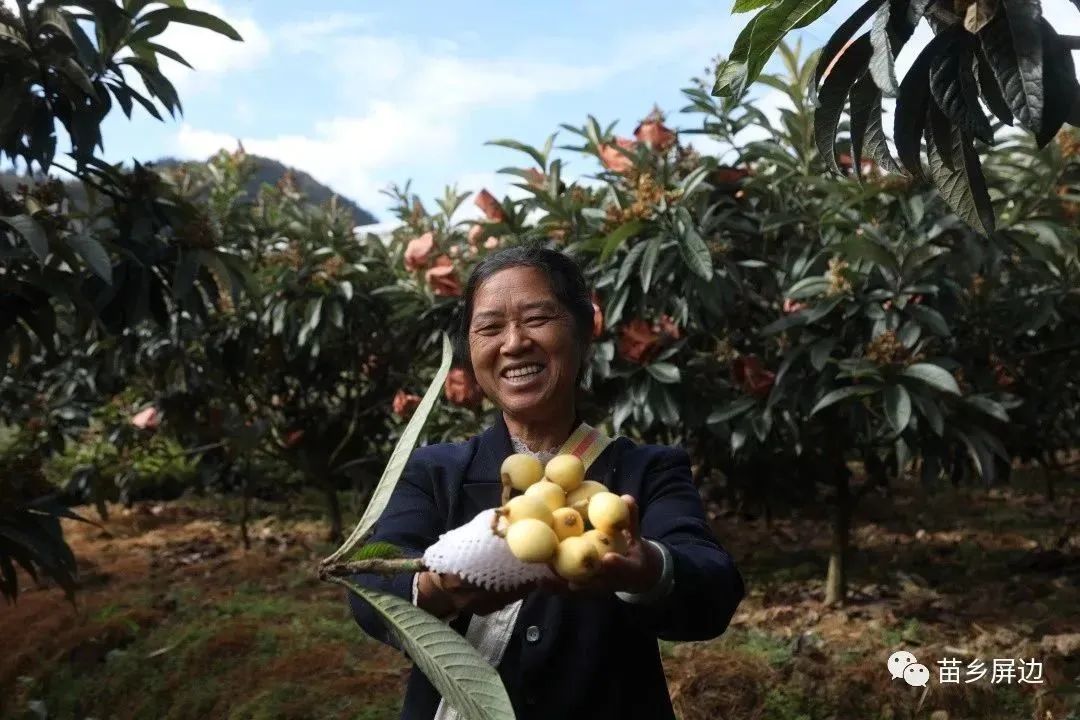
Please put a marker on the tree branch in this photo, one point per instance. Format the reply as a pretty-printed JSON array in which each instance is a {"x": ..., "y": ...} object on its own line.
[{"x": 377, "y": 566}]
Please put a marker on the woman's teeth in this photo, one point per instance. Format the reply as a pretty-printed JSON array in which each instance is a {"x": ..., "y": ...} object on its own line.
[{"x": 523, "y": 372}]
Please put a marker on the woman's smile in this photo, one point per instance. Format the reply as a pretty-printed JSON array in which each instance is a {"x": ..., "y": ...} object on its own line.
[{"x": 523, "y": 375}]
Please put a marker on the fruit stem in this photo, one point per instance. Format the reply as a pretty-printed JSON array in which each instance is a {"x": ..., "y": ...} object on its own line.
[{"x": 376, "y": 566}]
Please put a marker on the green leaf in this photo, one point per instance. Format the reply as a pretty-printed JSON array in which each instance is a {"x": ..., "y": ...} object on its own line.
[
  {"x": 761, "y": 425},
  {"x": 396, "y": 464},
  {"x": 913, "y": 101},
  {"x": 521, "y": 147},
  {"x": 731, "y": 80},
  {"x": 820, "y": 352},
  {"x": 629, "y": 264},
  {"x": 1012, "y": 44},
  {"x": 758, "y": 40},
  {"x": 693, "y": 181},
  {"x": 617, "y": 237},
  {"x": 1061, "y": 93},
  {"x": 897, "y": 407},
  {"x": 841, "y": 394},
  {"x": 648, "y": 263},
  {"x": 933, "y": 375},
  {"x": 377, "y": 551},
  {"x": 695, "y": 252},
  {"x": 863, "y": 248},
  {"x": 742, "y": 6},
  {"x": 867, "y": 132},
  {"x": 461, "y": 675},
  {"x": 844, "y": 33},
  {"x": 909, "y": 334},
  {"x": 930, "y": 410},
  {"x": 197, "y": 18},
  {"x": 664, "y": 372},
  {"x": 991, "y": 91},
  {"x": 890, "y": 31},
  {"x": 953, "y": 85},
  {"x": 808, "y": 287},
  {"x": 963, "y": 187},
  {"x": 93, "y": 253},
  {"x": 169, "y": 53},
  {"x": 30, "y": 231},
  {"x": 731, "y": 410},
  {"x": 833, "y": 96},
  {"x": 930, "y": 319},
  {"x": 988, "y": 406}
]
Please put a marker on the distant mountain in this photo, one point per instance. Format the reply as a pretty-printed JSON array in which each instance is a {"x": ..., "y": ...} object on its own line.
[{"x": 266, "y": 171}]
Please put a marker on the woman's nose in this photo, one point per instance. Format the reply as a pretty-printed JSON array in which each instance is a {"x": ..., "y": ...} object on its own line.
[{"x": 516, "y": 339}]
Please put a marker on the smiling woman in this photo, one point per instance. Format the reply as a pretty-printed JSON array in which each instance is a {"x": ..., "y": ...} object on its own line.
[{"x": 581, "y": 649}]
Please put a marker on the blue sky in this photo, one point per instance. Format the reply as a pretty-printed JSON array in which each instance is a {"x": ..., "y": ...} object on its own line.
[{"x": 362, "y": 94}]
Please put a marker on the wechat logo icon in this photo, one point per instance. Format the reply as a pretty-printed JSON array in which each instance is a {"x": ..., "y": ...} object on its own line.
[{"x": 904, "y": 665}]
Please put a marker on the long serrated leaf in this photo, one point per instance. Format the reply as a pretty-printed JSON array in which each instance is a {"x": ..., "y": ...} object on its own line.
[
  {"x": 396, "y": 464},
  {"x": 890, "y": 31},
  {"x": 988, "y": 406},
  {"x": 833, "y": 96},
  {"x": 30, "y": 231},
  {"x": 758, "y": 40},
  {"x": 963, "y": 187},
  {"x": 990, "y": 90},
  {"x": 841, "y": 394},
  {"x": 930, "y": 411},
  {"x": 863, "y": 248},
  {"x": 930, "y": 318},
  {"x": 1012, "y": 43},
  {"x": 897, "y": 407},
  {"x": 665, "y": 373},
  {"x": 841, "y": 37},
  {"x": 731, "y": 410},
  {"x": 648, "y": 263},
  {"x": 938, "y": 132},
  {"x": 197, "y": 18},
  {"x": 520, "y": 147},
  {"x": 952, "y": 83},
  {"x": 933, "y": 375},
  {"x": 1060, "y": 88},
  {"x": 462, "y": 676},
  {"x": 696, "y": 253},
  {"x": 617, "y": 237},
  {"x": 912, "y": 103},
  {"x": 93, "y": 253},
  {"x": 867, "y": 133}
]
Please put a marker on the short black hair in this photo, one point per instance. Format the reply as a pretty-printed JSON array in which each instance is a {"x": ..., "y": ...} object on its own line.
[{"x": 566, "y": 280}]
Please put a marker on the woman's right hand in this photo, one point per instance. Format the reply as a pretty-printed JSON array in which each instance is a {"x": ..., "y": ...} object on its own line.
[{"x": 446, "y": 595}]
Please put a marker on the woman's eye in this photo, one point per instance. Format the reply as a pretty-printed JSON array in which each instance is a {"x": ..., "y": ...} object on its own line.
[
  {"x": 488, "y": 329},
  {"x": 537, "y": 319}
]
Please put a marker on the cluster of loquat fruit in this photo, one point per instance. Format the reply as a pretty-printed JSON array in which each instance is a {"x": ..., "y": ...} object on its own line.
[{"x": 560, "y": 518}]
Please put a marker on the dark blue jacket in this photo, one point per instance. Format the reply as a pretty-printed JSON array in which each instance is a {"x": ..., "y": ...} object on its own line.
[{"x": 593, "y": 658}]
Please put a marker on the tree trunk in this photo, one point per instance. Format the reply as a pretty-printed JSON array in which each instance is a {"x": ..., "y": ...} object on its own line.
[
  {"x": 836, "y": 580},
  {"x": 245, "y": 506},
  {"x": 1050, "y": 470},
  {"x": 334, "y": 509}
]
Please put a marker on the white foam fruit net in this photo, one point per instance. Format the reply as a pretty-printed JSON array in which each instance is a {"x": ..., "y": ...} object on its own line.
[{"x": 478, "y": 555}]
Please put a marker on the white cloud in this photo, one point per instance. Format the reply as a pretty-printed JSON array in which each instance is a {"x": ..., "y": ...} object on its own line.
[
  {"x": 213, "y": 55},
  {"x": 416, "y": 102}
]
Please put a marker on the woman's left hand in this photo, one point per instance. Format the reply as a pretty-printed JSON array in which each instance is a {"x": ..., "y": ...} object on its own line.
[{"x": 637, "y": 571}]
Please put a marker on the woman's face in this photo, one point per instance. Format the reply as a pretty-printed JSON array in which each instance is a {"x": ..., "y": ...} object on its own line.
[{"x": 521, "y": 342}]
